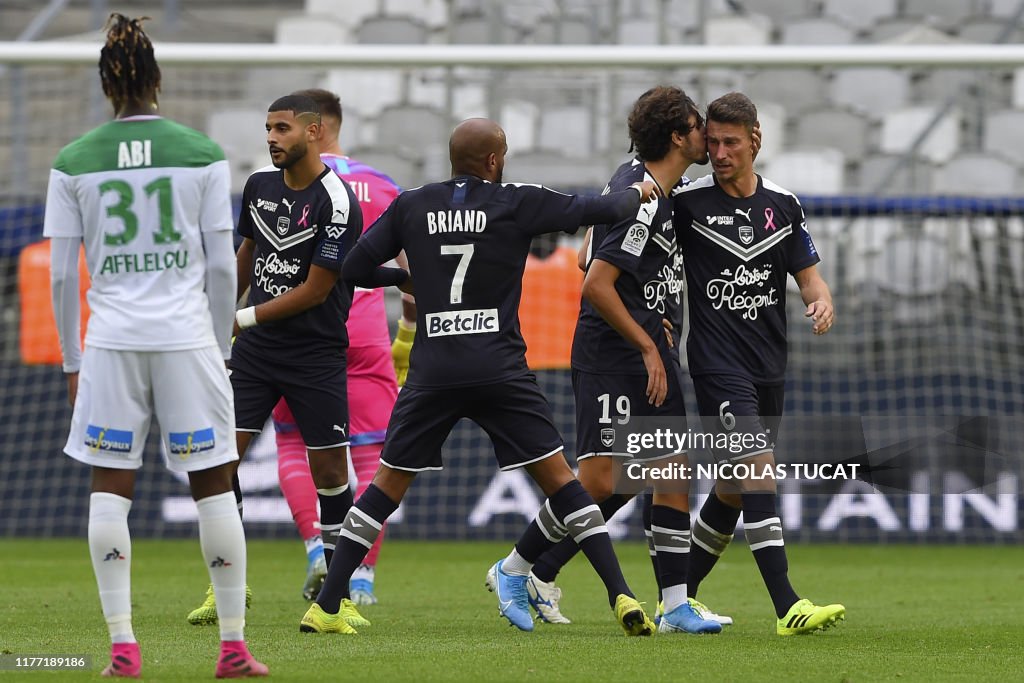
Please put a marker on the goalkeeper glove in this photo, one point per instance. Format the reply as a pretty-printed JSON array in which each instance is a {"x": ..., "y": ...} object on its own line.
[{"x": 401, "y": 348}]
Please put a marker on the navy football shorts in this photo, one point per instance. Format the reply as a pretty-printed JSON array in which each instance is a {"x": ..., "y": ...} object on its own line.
[
  {"x": 748, "y": 413},
  {"x": 514, "y": 414},
  {"x": 605, "y": 404},
  {"x": 316, "y": 393}
]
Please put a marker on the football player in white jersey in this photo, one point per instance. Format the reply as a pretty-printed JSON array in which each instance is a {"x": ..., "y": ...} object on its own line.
[{"x": 150, "y": 200}]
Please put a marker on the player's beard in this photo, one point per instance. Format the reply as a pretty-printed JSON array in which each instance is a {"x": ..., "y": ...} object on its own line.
[{"x": 291, "y": 155}]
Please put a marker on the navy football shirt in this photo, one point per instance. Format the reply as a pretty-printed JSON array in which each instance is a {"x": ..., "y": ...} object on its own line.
[
  {"x": 738, "y": 253},
  {"x": 467, "y": 241},
  {"x": 644, "y": 249},
  {"x": 293, "y": 229}
]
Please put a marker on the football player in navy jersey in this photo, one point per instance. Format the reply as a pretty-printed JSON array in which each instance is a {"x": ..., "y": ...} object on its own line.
[
  {"x": 298, "y": 222},
  {"x": 624, "y": 364},
  {"x": 742, "y": 235},
  {"x": 467, "y": 240}
]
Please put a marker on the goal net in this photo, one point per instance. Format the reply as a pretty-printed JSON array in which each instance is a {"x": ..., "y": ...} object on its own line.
[{"x": 909, "y": 175}]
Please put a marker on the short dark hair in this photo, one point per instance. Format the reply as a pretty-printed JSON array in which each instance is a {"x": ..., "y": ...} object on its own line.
[
  {"x": 128, "y": 68},
  {"x": 734, "y": 107},
  {"x": 298, "y": 104},
  {"x": 657, "y": 114},
  {"x": 328, "y": 103}
]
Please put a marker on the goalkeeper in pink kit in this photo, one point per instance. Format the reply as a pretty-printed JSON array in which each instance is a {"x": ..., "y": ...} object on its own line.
[{"x": 372, "y": 381}]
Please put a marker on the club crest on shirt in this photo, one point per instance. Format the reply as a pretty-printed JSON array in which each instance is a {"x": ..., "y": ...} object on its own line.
[
  {"x": 283, "y": 223},
  {"x": 746, "y": 233}
]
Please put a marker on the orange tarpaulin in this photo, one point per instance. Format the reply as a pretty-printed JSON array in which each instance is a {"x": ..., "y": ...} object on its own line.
[
  {"x": 551, "y": 303},
  {"x": 39, "y": 343}
]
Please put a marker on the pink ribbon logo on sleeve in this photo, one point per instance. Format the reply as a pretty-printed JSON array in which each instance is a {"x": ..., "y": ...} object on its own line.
[
  {"x": 304, "y": 220},
  {"x": 769, "y": 219}
]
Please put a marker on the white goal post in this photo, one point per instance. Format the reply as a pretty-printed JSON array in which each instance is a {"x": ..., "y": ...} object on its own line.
[{"x": 513, "y": 56}]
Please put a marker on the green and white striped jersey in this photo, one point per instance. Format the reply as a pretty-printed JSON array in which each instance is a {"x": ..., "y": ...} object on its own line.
[{"x": 139, "y": 192}]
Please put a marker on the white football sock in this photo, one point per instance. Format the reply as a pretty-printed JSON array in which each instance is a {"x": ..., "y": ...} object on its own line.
[
  {"x": 223, "y": 542},
  {"x": 110, "y": 546}
]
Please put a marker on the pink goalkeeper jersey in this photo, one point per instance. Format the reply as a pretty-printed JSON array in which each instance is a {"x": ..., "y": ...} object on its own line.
[{"x": 367, "y": 319}]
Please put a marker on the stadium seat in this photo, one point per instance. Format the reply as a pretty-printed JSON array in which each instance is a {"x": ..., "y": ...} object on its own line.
[
  {"x": 783, "y": 11},
  {"x": 355, "y": 132},
  {"x": 1003, "y": 8},
  {"x": 905, "y": 30},
  {"x": 520, "y": 119},
  {"x": 901, "y": 127},
  {"x": 565, "y": 30},
  {"x": 946, "y": 12},
  {"x": 522, "y": 15},
  {"x": 956, "y": 234},
  {"x": 555, "y": 170},
  {"x": 346, "y": 13},
  {"x": 241, "y": 133},
  {"x": 391, "y": 30},
  {"x": 800, "y": 89},
  {"x": 976, "y": 174},
  {"x": 433, "y": 13},
  {"x": 366, "y": 91},
  {"x": 750, "y": 29},
  {"x": 987, "y": 30},
  {"x": 862, "y": 14},
  {"x": 404, "y": 171},
  {"x": 407, "y": 128},
  {"x": 1004, "y": 134},
  {"x": 862, "y": 243},
  {"x": 625, "y": 86},
  {"x": 938, "y": 85},
  {"x": 872, "y": 175},
  {"x": 1017, "y": 98},
  {"x": 772, "y": 117},
  {"x": 568, "y": 129},
  {"x": 810, "y": 171},
  {"x": 916, "y": 274},
  {"x": 816, "y": 31},
  {"x": 871, "y": 91},
  {"x": 474, "y": 30},
  {"x": 639, "y": 31},
  {"x": 469, "y": 100},
  {"x": 704, "y": 85},
  {"x": 842, "y": 129},
  {"x": 428, "y": 87},
  {"x": 304, "y": 29}
]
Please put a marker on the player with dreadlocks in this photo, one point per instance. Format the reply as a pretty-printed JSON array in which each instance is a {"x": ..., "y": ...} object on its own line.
[{"x": 151, "y": 200}]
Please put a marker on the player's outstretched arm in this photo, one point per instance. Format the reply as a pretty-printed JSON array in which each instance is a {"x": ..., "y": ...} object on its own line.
[
  {"x": 815, "y": 293},
  {"x": 362, "y": 269},
  {"x": 599, "y": 290},
  {"x": 617, "y": 206}
]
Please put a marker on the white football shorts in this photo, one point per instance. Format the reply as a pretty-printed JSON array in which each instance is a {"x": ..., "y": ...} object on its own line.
[{"x": 119, "y": 392}]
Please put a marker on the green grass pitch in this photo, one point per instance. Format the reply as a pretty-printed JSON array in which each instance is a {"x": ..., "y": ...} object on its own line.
[{"x": 914, "y": 613}]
